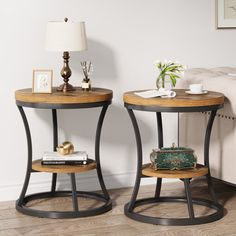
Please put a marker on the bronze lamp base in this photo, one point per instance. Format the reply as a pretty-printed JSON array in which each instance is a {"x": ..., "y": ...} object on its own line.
[
  {"x": 66, "y": 87},
  {"x": 66, "y": 73}
]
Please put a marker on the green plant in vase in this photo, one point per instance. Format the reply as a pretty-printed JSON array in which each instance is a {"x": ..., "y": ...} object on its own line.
[{"x": 168, "y": 70}]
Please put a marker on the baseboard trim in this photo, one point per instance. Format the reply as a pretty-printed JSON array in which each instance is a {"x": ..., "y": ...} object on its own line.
[
  {"x": 225, "y": 182},
  {"x": 86, "y": 182}
]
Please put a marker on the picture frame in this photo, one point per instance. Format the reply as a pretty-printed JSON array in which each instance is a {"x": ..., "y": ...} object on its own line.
[
  {"x": 225, "y": 14},
  {"x": 42, "y": 81}
]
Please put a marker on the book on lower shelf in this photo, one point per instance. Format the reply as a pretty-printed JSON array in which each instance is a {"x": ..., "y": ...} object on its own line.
[
  {"x": 54, "y": 158},
  {"x": 64, "y": 162}
]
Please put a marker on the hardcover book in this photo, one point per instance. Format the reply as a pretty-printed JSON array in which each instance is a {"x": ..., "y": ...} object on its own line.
[{"x": 64, "y": 162}]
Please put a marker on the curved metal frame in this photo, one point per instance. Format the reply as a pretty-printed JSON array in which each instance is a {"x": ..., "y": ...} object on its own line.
[
  {"x": 191, "y": 220},
  {"x": 21, "y": 203},
  {"x": 62, "y": 105},
  {"x": 153, "y": 108},
  {"x": 218, "y": 214},
  {"x": 97, "y": 152},
  {"x": 64, "y": 214},
  {"x": 55, "y": 145}
]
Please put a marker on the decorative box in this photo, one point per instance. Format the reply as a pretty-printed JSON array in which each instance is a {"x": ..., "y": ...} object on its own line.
[{"x": 173, "y": 158}]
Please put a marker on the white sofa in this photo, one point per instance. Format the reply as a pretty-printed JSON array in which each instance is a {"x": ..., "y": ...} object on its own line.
[{"x": 223, "y": 138}]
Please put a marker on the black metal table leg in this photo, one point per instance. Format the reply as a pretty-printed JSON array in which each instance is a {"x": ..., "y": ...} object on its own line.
[
  {"x": 178, "y": 130},
  {"x": 55, "y": 144},
  {"x": 74, "y": 194},
  {"x": 160, "y": 145},
  {"x": 206, "y": 154},
  {"x": 189, "y": 198},
  {"x": 158, "y": 188},
  {"x": 29, "y": 161},
  {"x": 97, "y": 153},
  {"x": 54, "y": 182},
  {"x": 130, "y": 205},
  {"x": 159, "y": 129}
]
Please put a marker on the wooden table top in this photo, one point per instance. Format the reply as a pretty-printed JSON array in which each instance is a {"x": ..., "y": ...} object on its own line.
[
  {"x": 75, "y": 97},
  {"x": 182, "y": 99}
]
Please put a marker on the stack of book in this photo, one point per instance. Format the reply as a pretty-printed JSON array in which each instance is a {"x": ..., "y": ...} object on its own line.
[{"x": 54, "y": 158}]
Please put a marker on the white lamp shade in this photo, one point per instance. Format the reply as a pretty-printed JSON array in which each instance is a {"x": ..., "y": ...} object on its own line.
[{"x": 66, "y": 36}]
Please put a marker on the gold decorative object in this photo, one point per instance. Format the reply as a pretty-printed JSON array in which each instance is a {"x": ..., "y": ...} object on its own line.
[{"x": 65, "y": 148}]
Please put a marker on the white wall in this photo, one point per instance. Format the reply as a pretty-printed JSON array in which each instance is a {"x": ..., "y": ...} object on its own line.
[{"x": 125, "y": 37}]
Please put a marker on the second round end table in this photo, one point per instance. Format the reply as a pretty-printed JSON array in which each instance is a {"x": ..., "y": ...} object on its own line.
[{"x": 183, "y": 102}]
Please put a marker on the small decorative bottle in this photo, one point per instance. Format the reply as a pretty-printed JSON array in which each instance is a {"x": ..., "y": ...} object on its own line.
[
  {"x": 87, "y": 70},
  {"x": 86, "y": 84}
]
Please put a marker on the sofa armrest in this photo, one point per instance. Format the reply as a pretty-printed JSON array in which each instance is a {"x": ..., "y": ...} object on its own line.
[{"x": 221, "y": 79}]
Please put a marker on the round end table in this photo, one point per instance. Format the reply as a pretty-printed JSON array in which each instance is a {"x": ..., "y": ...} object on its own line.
[
  {"x": 97, "y": 97},
  {"x": 183, "y": 102}
]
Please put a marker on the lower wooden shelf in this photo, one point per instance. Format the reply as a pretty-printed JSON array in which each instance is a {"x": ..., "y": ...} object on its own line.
[
  {"x": 36, "y": 165},
  {"x": 200, "y": 170}
]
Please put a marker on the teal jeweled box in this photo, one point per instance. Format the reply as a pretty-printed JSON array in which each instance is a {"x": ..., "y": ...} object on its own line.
[{"x": 173, "y": 158}]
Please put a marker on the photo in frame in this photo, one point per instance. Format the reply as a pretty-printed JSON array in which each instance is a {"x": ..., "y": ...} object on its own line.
[
  {"x": 225, "y": 14},
  {"x": 42, "y": 81}
]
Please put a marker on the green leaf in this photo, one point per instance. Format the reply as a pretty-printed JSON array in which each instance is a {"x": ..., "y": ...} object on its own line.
[{"x": 173, "y": 79}]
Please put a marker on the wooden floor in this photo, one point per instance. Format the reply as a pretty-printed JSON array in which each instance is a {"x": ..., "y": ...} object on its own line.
[{"x": 116, "y": 223}]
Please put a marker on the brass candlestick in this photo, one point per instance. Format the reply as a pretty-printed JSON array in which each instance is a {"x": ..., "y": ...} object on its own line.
[{"x": 66, "y": 73}]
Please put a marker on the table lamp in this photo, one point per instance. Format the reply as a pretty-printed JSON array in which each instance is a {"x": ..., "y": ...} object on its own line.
[{"x": 66, "y": 37}]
